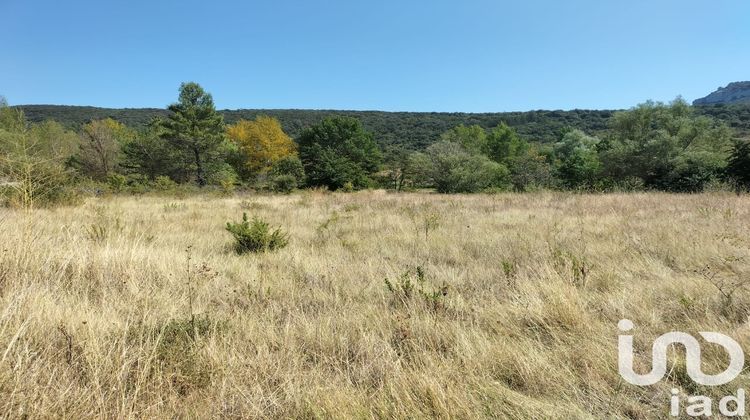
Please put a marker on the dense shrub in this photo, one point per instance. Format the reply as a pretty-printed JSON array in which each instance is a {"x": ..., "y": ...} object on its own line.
[
  {"x": 284, "y": 184},
  {"x": 289, "y": 165},
  {"x": 286, "y": 174},
  {"x": 452, "y": 169},
  {"x": 256, "y": 236},
  {"x": 738, "y": 169},
  {"x": 117, "y": 182},
  {"x": 164, "y": 183}
]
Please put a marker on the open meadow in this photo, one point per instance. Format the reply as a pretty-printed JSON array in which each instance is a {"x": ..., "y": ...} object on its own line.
[{"x": 383, "y": 305}]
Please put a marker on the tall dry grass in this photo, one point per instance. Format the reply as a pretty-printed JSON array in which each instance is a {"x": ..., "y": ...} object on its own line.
[{"x": 516, "y": 319}]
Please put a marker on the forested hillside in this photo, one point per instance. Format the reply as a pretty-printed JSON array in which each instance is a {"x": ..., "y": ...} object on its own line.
[
  {"x": 735, "y": 116},
  {"x": 414, "y": 130}
]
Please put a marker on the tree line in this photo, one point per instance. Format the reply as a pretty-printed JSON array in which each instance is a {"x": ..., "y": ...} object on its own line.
[
  {"x": 410, "y": 130},
  {"x": 668, "y": 147}
]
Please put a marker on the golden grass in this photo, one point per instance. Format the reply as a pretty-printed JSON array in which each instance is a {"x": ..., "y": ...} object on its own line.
[{"x": 95, "y": 321}]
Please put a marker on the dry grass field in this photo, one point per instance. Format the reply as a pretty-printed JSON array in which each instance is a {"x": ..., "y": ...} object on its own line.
[{"x": 499, "y": 306}]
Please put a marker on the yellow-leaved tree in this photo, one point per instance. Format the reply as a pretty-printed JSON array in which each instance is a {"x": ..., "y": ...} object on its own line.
[{"x": 261, "y": 143}]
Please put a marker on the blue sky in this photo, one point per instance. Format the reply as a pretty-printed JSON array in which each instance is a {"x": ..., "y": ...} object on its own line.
[{"x": 468, "y": 55}]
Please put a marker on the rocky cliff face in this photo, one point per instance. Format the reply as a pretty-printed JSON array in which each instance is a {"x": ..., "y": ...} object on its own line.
[{"x": 733, "y": 93}]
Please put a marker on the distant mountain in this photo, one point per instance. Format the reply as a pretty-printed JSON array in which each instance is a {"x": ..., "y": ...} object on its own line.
[{"x": 733, "y": 93}]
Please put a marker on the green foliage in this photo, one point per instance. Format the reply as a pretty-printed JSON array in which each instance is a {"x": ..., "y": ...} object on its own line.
[
  {"x": 738, "y": 168},
  {"x": 451, "y": 169},
  {"x": 287, "y": 174},
  {"x": 736, "y": 116},
  {"x": 472, "y": 138},
  {"x": 410, "y": 285},
  {"x": 578, "y": 163},
  {"x": 284, "y": 184},
  {"x": 195, "y": 128},
  {"x": 289, "y": 165},
  {"x": 164, "y": 183},
  {"x": 55, "y": 140},
  {"x": 671, "y": 147},
  {"x": 666, "y": 146},
  {"x": 223, "y": 175},
  {"x": 336, "y": 151},
  {"x": 256, "y": 236},
  {"x": 117, "y": 182},
  {"x": 467, "y": 160},
  {"x": 148, "y": 153},
  {"x": 347, "y": 187},
  {"x": 399, "y": 172},
  {"x": 531, "y": 171},
  {"x": 409, "y": 130},
  {"x": 503, "y": 145},
  {"x": 32, "y": 171}
]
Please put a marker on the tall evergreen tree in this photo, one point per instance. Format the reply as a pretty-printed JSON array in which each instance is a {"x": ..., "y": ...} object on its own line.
[
  {"x": 338, "y": 151},
  {"x": 503, "y": 144},
  {"x": 195, "y": 127}
]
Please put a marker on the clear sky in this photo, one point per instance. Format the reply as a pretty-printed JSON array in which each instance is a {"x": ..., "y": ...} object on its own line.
[{"x": 419, "y": 55}]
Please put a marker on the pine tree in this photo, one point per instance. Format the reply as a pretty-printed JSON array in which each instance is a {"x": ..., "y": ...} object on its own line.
[{"x": 195, "y": 127}]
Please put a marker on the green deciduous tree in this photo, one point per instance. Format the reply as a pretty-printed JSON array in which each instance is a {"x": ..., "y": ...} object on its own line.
[
  {"x": 503, "y": 144},
  {"x": 578, "y": 164},
  {"x": 666, "y": 146},
  {"x": 398, "y": 171},
  {"x": 289, "y": 165},
  {"x": 286, "y": 174},
  {"x": 531, "y": 171},
  {"x": 472, "y": 138},
  {"x": 195, "y": 128},
  {"x": 338, "y": 151}
]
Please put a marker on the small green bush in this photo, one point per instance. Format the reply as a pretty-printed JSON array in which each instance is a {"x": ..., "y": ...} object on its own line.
[
  {"x": 117, "y": 182},
  {"x": 284, "y": 184},
  {"x": 256, "y": 236},
  {"x": 164, "y": 183},
  {"x": 410, "y": 285},
  {"x": 348, "y": 187},
  {"x": 289, "y": 165}
]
